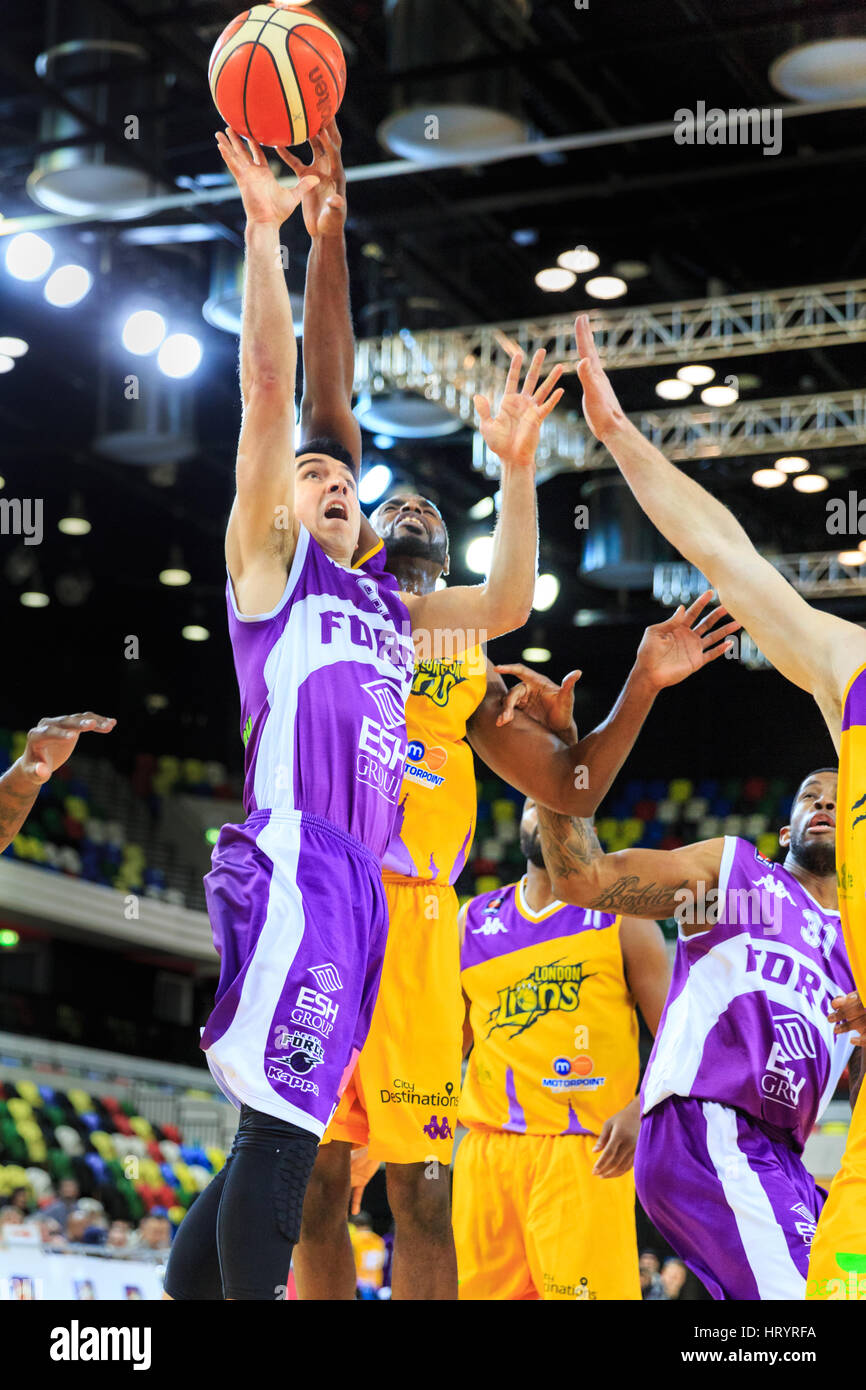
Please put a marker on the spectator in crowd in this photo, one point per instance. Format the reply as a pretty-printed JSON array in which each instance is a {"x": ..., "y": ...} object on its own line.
[
  {"x": 154, "y": 1233},
  {"x": 369, "y": 1252},
  {"x": 50, "y": 1231},
  {"x": 650, "y": 1283},
  {"x": 22, "y": 1201},
  {"x": 77, "y": 1223},
  {"x": 673, "y": 1277},
  {"x": 119, "y": 1233},
  {"x": 65, "y": 1202},
  {"x": 9, "y": 1216}
]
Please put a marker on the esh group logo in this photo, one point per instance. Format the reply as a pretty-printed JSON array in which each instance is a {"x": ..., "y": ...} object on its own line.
[
  {"x": 423, "y": 763},
  {"x": 548, "y": 989}
]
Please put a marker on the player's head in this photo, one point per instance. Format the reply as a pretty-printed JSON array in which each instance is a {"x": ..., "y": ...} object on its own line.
[
  {"x": 412, "y": 528},
  {"x": 810, "y": 838},
  {"x": 326, "y": 496},
  {"x": 530, "y": 838}
]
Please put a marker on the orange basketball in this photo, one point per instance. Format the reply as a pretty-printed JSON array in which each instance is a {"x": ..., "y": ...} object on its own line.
[{"x": 277, "y": 74}]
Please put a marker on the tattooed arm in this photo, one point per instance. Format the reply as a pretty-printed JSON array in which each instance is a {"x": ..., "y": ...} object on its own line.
[
  {"x": 48, "y": 746},
  {"x": 641, "y": 882}
]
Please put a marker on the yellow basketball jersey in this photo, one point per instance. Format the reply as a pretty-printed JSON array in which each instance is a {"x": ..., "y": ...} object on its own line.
[
  {"x": 851, "y": 826},
  {"x": 438, "y": 802},
  {"x": 553, "y": 1020}
]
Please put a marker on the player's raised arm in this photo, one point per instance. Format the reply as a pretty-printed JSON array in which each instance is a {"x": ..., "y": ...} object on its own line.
[
  {"x": 816, "y": 651},
  {"x": 640, "y": 882},
  {"x": 329, "y": 341},
  {"x": 527, "y": 736},
  {"x": 504, "y": 602},
  {"x": 262, "y": 531}
]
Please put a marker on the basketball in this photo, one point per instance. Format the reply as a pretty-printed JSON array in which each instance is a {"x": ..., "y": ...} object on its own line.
[{"x": 277, "y": 74}]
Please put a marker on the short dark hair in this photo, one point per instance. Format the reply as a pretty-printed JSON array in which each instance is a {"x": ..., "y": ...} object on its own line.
[
  {"x": 816, "y": 772},
  {"x": 331, "y": 448}
]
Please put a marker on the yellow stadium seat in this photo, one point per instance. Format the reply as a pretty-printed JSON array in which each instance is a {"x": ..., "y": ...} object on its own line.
[
  {"x": 81, "y": 1101},
  {"x": 140, "y": 1126},
  {"x": 176, "y": 1215},
  {"x": 632, "y": 830},
  {"x": 768, "y": 845},
  {"x": 680, "y": 789},
  {"x": 503, "y": 810},
  {"x": 216, "y": 1158},
  {"x": 30, "y": 1092},
  {"x": 19, "y": 1109},
  {"x": 486, "y": 883},
  {"x": 103, "y": 1144}
]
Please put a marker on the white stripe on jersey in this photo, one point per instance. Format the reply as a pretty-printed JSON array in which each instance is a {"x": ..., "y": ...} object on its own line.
[
  {"x": 763, "y": 1239},
  {"x": 237, "y": 1058}
]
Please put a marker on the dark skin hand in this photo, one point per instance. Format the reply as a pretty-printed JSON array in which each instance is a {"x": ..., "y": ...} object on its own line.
[{"x": 49, "y": 744}]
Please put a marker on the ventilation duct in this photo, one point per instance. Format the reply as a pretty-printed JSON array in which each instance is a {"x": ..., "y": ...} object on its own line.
[
  {"x": 222, "y": 308},
  {"x": 463, "y": 113},
  {"x": 621, "y": 547},
  {"x": 144, "y": 418},
  {"x": 81, "y": 175}
]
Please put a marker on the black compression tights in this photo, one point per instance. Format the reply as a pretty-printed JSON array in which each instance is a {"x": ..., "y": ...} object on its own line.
[{"x": 236, "y": 1240}]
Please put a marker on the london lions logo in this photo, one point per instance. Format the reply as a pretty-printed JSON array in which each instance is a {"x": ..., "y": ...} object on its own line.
[
  {"x": 436, "y": 679},
  {"x": 301, "y": 1052},
  {"x": 548, "y": 989},
  {"x": 391, "y": 712}
]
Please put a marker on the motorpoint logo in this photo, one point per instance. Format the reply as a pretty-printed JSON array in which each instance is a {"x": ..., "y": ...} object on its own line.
[{"x": 423, "y": 763}]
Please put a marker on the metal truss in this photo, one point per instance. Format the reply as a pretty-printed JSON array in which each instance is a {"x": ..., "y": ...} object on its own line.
[
  {"x": 788, "y": 424},
  {"x": 807, "y": 316},
  {"x": 819, "y": 575},
  {"x": 450, "y": 366}
]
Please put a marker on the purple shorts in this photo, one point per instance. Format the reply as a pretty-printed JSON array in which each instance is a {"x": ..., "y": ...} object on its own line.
[
  {"x": 299, "y": 921},
  {"x": 739, "y": 1209}
]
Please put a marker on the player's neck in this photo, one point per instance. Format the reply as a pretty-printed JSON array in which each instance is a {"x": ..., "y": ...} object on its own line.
[
  {"x": 537, "y": 891},
  {"x": 823, "y": 887},
  {"x": 414, "y": 574}
]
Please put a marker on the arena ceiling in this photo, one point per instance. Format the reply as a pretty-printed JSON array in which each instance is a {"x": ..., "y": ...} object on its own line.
[{"x": 444, "y": 246}]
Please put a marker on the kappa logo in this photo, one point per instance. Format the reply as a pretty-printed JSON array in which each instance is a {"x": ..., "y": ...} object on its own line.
[
  {"x": 773, "y": 885},
  {"x": 438, "y": 1129},
  {"x": 437, "y": 679},
  {"x": 491, "y": 926},
  {"x": 391, "y": 711},
  {"x": 327, "y": 977}
]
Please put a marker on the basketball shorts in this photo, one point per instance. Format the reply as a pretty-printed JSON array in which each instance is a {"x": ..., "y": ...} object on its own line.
[
  {"x": 739, "y": 1209},
  {"x": 401, "y": 1101},
  {"x": 299, "y": 921},
  {"x": 837, "y": 1263},
  {"x": 531, "y": 1221}
]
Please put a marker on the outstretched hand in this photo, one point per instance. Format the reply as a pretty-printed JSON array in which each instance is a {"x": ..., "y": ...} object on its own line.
[
  {"x": 324, "y": 205},
  {"x": 672, "y": 650},
  {"x": 617, "y": 1142},
  {"x": 601, "y": 409},
  {"x": 513, "y": 433},
  {"x": 542, "y": 699},
  {"x": 265, "y": 199},
  {"x": 53, "y": 739}
]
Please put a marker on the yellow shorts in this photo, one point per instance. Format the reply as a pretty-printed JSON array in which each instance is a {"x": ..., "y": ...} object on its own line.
[
  {"x": 837, "y": 1260},
  {"x": 530, "y": 1220},
  {"x": 402, "y": 1098}
]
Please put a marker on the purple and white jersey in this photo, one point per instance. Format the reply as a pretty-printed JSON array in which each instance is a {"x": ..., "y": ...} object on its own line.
[
  {"x": 745, "y": 1022},
  {"x": 323, "y": 682}
]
